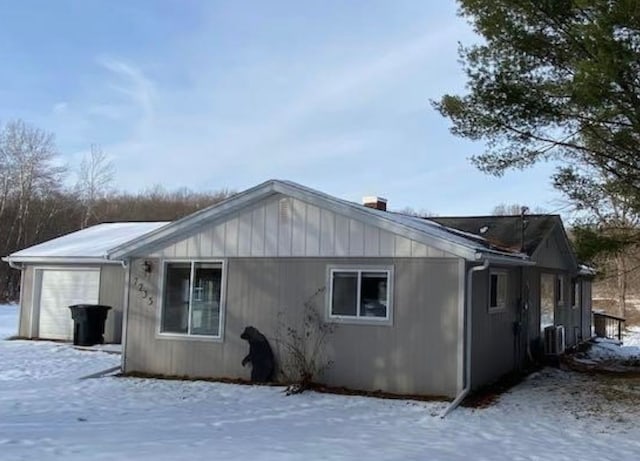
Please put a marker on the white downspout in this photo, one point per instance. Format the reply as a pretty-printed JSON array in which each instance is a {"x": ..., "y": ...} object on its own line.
[
  {"x": 467, "y": 342},
  {"x": 125, "y": 314}
]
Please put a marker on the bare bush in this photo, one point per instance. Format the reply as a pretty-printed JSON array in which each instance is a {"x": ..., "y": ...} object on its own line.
[{"x": 303, "y": 356}]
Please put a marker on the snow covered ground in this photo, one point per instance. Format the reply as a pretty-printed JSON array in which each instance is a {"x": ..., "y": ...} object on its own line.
[{"x": 48, "y": 413}]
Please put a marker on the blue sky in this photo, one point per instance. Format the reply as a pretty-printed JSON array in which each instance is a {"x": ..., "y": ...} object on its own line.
[{"x": 211, "y": 95}]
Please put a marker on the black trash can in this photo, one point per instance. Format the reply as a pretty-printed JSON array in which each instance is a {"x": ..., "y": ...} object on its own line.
[{"x": 88, "y": 323}]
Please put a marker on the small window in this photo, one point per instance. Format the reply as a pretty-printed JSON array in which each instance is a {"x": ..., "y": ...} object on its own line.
[
  {"x": 191, "y": 299},
  {"x": 497, "y": 291},
  {"x": 360, "y": 294},
  {"x": 560, "y": 290},
  {"x": 575, "y": 293}
]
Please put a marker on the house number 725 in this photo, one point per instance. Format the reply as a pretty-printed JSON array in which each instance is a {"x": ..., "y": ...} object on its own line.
[{"x": 142, "y": 291}]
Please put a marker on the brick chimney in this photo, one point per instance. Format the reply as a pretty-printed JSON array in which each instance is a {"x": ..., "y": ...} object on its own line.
[{"x": 377, "y": 203}]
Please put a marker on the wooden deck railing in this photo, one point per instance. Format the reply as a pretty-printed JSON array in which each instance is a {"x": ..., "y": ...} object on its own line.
[{"x": 608, "y": 326}]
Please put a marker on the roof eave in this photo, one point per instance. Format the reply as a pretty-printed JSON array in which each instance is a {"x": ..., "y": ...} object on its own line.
[
  {"x": 506, "y": 259},
  {"x": 317, "y": 198},
  {"x": 59, "y": 260}
]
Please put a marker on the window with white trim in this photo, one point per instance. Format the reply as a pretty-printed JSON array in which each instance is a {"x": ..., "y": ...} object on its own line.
[
  {"x": 360, "y": 294},
  {"x": 575, "y": 293},
  {"x": 497, "y": 290},
  {"x": 191, "y": 298},
  {"x": 560, "y": 290}
]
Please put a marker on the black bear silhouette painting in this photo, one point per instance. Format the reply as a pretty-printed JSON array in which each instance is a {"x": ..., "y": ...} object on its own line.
[{"x": 260, "y": 355}]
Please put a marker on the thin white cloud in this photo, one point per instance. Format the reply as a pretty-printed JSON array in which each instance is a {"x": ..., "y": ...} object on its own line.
[
  {"x": 331, "y": 119},
  {"x": 60, "y": 108},
  {"x": 132, "y": 83},
  {"x": 167, "y": 130}
]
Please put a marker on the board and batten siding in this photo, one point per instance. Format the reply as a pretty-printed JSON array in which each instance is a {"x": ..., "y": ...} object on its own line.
[
  {"x": 418, "y": 354},
  {"x": 493, "y": 348},
  {"x": 286, "y": 227}
]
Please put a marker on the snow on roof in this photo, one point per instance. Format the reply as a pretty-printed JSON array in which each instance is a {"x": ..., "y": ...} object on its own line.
[{"x": 92, "y": 242}]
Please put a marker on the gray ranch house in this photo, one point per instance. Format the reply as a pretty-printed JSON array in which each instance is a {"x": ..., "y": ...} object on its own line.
[
  {"x": 73, "y": 269},
  {"x": 433, "y": 306}
]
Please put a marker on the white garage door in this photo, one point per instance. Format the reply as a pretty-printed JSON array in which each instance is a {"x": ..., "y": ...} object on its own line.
[{"x": 60, "y": 289}]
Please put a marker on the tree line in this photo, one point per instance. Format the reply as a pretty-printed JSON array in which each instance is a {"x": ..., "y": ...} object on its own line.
[{"x": 39, "y": 200}]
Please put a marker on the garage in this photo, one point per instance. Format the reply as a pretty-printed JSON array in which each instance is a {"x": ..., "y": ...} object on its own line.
[
  {"x": 73, "y": 269},
  {"x": 60, "y": 289}
]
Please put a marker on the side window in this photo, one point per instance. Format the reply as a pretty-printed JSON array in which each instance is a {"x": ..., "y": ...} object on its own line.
[
  {"x": 560, "y": 290},
  {"x": 575, "y": 293},
  {"x": 361, "y": 294},
  {"x": 498, "y": 285}
]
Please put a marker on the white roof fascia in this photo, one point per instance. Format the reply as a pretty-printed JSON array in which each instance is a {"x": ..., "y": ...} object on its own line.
[
  {"x": 383, "y": 220},
  {"x": 193, "y": 220},
  {"x": 506, "y": 259},
  {"x": 58, "y": 260},
  {"x": 374, "y": 217},
  {"x": 367, "y": 216}
]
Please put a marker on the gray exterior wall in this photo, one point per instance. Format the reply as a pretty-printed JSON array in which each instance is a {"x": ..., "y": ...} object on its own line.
[
  {"x": 500, "y": 339},
  {"x": 494, "y": 347},
  {"x": 554, "y": 256},
  {"x": 587, "y": 285},
  {"x": 111, "y": 293},
  {"x": 26, "y": 300},
  {"x": 418, "y": 354}
]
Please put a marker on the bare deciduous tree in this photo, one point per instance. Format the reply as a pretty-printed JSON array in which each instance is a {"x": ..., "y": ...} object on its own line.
[
  {"x": 95, "y": 177},
  {"x": 30, "y": 172}
]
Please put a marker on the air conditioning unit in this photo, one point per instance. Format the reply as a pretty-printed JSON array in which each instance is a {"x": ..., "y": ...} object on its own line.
[{"x": 554, "y": 341}]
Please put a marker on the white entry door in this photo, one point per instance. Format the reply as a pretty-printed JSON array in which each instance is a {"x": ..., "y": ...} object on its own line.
[{"x": 60, "y": 289}]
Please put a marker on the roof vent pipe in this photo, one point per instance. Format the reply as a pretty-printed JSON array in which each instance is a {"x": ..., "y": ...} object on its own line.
[{"x": 374, "y": 202}]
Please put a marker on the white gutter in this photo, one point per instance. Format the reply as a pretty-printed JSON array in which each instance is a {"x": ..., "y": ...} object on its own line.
[
  {"x": 60, "y": 260},
  {"x": 12, "y": 264},
  {"x": 467, "y": 346}
]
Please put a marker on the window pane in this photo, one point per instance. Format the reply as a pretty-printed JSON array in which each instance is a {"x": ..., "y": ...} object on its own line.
[
  {"x": 560, "y": 290},
  {"x": 575, "y": 301},
  {"x": 373, "y": 294},
  {"x": 547, "y": 305},
  {"x": 493, "y": 297},
  {"x": 498, "y": 290},
  {"x": 205, "y": 301},
  {"x": 502, "y": 290},
  {"x": 175, "y": 299},
  {"x": 344, "y": 297}
]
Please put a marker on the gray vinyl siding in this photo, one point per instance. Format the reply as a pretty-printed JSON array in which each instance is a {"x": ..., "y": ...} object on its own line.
[
  {"x": 532, "y": 288},
  {"x": 554, "y": 256},
  {"x": 494, "y": 345},
  {"x": 111, "y": 293},
  {"x": 554, "y": 253},
  {"x": 26, "y": 300},
  {"x": 286, "y": 227},
  {"x": 586, "y": 308},
  {"x": 418, "y": 354}
]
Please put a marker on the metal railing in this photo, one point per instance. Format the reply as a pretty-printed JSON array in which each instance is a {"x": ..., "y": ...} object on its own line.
[{"x": 608, "y": 326}]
